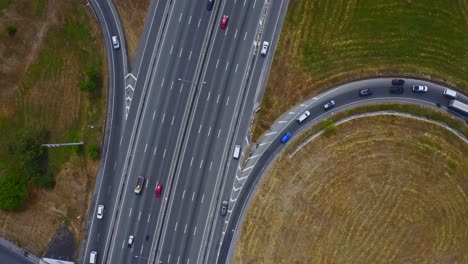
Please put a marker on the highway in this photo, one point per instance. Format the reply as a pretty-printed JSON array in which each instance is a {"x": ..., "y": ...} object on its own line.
[{"x": 174, "y": 116}]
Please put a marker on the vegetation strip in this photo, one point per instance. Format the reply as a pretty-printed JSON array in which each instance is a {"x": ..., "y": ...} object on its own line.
[
  {"x": 363, "y": 115},
  {"x": 329, "y": 123}
]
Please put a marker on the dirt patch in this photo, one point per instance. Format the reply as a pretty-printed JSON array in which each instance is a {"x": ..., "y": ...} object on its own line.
[
  {"x": 377, "y": 190},
  {"x": 133, "y": 15}
]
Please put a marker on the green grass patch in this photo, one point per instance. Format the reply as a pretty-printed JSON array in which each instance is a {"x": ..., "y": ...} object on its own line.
[
  {"x": 4, "y": 4},
  {"x": 427, "y": 37}
]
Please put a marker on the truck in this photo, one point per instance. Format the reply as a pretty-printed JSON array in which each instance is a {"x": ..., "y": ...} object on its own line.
[
  {"x": 139, "y": 184},
  {"x": 459, "y": 107}
]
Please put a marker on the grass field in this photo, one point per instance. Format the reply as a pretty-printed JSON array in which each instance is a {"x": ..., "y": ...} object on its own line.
[
  {"x": 376, "y": 190},
  {"x": 132, "y": 14},
  {"x": 325, "y": 43},
  {"x": 41, "y": 66}
]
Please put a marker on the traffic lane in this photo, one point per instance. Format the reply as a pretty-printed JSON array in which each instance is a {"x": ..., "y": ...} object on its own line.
[
  {"x": 185, "y": 184},
  {"x": 275, "y": 145},
  {"x": 115, "y": 131},
  {"x": 153, "y": 115},
  {"x": 199, "y": 176},
  {"x": 205, "y": 110},
  {"x": 152, "y": 28},
  {"x": 179, "y": 97},
  {"x": 184, "y": 104},
  {"x": 234, "y": 92},
  {"x": 116, "y": 74},
  {"x": 257, "y": 72},
  {"x": 236, "y": 69}
]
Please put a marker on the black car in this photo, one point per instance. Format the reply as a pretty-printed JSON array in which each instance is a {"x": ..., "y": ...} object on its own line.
[
  {"x": 365, "y": 92},
  {"x": 398, "y": 82},
  {"x": 210, "y": 5},
  {"x": 396, "y": 90},
  {"x": 224, "y": 208}
]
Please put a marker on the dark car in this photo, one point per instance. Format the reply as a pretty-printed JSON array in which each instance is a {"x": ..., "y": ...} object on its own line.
[
  {"x": 396, "y": 90},
  {"x": 286, "y": 137},
  {"x": 210, "y": 5},
  {"x": 329, "y": 105},
  {"x": 398, "y": 82},
  {"x": 365, "y": 92},
  {"x": 224, "y": 208}
]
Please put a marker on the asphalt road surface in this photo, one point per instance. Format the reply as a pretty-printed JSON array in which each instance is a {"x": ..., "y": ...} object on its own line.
[
  {"x": 174, "y": 119},
  {"x": 270, "y": 145}
]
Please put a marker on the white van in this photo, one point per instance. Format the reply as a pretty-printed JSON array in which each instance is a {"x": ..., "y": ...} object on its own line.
[
  {"x": 237, "y": 152},
  {"x": 115, "y": 42},
  {"x": 450, "y": 93},
  {"x": 303, "y": 117},
  {"x": 93, "y": 257}
]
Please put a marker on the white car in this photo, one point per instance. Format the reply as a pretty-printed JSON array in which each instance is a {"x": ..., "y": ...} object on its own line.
[
  {"x": 115, "y": 42},
  {"x": 419, "y": 88},
  {"x": 303, "y": 117},
  {"x": 100, "y": 211},
  {"x": 265, "y": 48},
  {"x": 130, "y": 241}
]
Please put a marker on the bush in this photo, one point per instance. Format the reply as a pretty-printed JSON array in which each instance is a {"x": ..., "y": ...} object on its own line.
[
  {"x": 31, "y": 158},
  {"x": 11, "y": 30},
  {"x": 93, "y": 151},
  {"x": 13, "y": 191},
  {"x": 92, "y": 81}
]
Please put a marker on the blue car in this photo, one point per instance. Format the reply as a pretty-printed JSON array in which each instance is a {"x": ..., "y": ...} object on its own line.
[{"x": 286, "y": 137}]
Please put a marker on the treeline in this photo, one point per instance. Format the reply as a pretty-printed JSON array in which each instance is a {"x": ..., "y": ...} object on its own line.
[{"x": 27, "y": 165}]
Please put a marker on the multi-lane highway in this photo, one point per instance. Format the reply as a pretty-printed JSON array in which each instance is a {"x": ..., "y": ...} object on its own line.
[
  {"x": 182, "y": 113},
  {"x": 174, "y": 117}
]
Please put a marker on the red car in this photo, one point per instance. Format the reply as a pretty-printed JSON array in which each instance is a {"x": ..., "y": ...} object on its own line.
[
  {"x": 158, "y": 190},
  {"x": 224, "y": 21}
]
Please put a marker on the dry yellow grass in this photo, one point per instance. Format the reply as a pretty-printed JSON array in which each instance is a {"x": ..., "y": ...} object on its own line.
[
  {"x": 377, "y": 190},
  {"x": 132, "y": 14}
]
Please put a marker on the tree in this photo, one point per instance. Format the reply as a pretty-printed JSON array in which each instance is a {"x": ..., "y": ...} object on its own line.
[{"x": 13, "y": 191}]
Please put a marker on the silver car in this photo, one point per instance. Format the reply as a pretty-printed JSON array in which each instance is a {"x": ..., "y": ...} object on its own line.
[{"x": 329, "y": 105}]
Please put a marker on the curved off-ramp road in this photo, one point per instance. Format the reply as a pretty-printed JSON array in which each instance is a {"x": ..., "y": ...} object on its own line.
[{"x": 269, "y": 147}]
